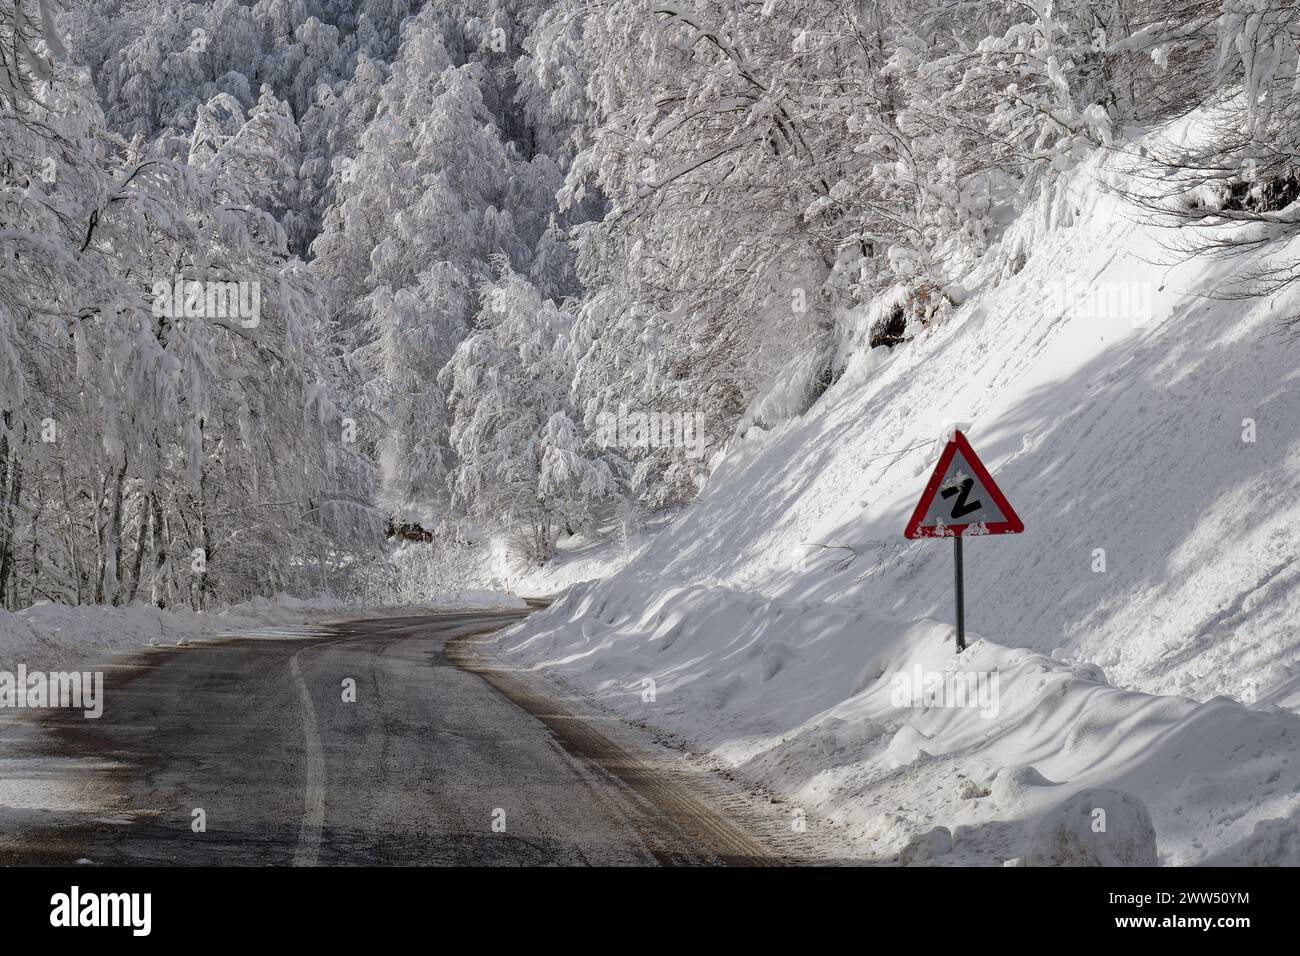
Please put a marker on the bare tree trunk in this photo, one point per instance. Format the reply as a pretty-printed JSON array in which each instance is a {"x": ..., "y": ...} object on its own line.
[
  {"x": 13, "y": 477},
  {"x": 324, "y": 573},
  {"x": 70, "y": 533},
  {"x": 36, "y": 561},
  {"x": 141, "y": 542},
  {"x": 161, "y": 594},
  {"x": 101, "y": 531},
  {"x": 110, "y": 585},
  {"x": 205, "y": 542}
]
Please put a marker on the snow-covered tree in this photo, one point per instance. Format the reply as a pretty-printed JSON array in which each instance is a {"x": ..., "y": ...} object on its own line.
[
  {"x": 432, "y": 195},
  {"x": 154, "y": 446},
  {"x": 520, "y": 456}
]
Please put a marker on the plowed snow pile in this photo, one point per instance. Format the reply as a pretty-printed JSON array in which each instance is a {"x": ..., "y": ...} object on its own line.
[{"x": 1140, "y": 636}]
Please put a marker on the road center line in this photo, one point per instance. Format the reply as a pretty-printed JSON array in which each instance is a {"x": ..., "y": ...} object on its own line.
[{"x": 313, "y": 814}]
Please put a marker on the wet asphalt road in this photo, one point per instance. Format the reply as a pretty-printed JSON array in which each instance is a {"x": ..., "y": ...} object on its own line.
[{"x": 440, "y": 759}]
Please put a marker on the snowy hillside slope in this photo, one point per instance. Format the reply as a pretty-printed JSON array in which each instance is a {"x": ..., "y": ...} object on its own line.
[{"x": 1114, "y": 404}]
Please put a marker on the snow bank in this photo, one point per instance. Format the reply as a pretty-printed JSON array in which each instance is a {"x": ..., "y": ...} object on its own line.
[
  {"x": 579, "y": 558},
  {"x": 1145, "y": 434},
  {"x": 1273, "y": 843},
  {"x": 49, "y": 635},
  {"x": 286, "y": 609},
  {"x": 879, "y": 727},
  {"x": 1094, "y": 828}
]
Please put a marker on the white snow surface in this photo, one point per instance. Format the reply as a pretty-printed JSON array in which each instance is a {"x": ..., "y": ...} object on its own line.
[
  {"x": 578, "y": 558},
  {"x": 775, "y": 615}
]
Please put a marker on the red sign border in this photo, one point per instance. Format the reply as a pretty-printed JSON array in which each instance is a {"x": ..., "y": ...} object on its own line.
[{"x": 1013, "y": 524}]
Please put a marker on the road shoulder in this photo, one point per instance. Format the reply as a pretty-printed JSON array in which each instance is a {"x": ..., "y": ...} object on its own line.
[{"x": 691, "y": 793}]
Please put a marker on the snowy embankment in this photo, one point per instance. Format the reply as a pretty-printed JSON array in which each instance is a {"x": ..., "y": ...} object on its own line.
[
  {"x": 1141, "y": 632},
  {"x": 578, "y": 558},
  {"x": 56, "y": 635}
]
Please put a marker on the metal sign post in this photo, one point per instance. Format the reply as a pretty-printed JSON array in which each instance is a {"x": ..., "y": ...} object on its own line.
[{"x": 961, "y": 609}]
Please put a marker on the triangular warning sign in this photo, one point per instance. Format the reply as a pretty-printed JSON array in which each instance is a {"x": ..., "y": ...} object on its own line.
[{"x": 961, "y": 498}]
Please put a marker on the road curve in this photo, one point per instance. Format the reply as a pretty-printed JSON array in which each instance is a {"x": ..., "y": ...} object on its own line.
[{"x": 256, "y": 751}]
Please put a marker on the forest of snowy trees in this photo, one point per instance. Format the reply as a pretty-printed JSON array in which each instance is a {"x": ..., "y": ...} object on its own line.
[{"x": 279, "y": 276}]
